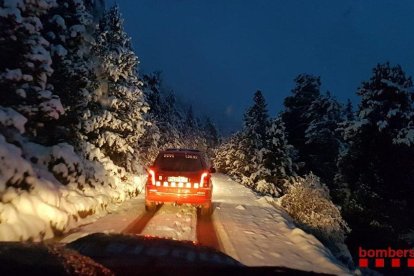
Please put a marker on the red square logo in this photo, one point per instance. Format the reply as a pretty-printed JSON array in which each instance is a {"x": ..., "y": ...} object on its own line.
[
  {"x": 379, "y": 262},
  {"x": 410, "y": 262},
  {"x": 395, "y": 263},
  {"x": 363, "y": 262}
]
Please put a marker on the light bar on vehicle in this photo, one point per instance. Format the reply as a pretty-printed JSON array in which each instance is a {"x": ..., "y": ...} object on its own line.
[{"x": 194, "y": 185}]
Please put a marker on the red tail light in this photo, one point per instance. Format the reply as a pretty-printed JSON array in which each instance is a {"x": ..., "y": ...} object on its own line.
[
  {"x": 204, "y": 181},
  {"x": 151, "y": 176}
]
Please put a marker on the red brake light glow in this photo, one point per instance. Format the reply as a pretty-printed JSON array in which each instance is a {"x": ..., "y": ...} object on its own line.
[
  {"x": 203, "y": 178},
  {"x": 152, "y": 174}
]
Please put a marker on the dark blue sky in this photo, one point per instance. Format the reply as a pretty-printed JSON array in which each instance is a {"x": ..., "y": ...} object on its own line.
[{"x": 216, "y": 53}]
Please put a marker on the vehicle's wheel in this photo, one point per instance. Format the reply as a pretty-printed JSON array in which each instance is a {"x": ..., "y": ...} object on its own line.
[
  {"x": 206, "y": 210},
  {"x": 150, "y": 206}
]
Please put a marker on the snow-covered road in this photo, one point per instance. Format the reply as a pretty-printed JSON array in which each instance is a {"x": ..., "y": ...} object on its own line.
[{"x": 242, "y": 225}]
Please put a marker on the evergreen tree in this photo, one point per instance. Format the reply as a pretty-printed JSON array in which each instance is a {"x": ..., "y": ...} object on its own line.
[
  {"x": 278, "y": 158},
  {"x": 252, "y": 143},
  {"x": 349, "y": 111},
  {"x": 149, "y": 143},
  {"x": 211, "y": 133},
  {"x": 322, "y": 139},
  {"x": 307, "y": 89},
  {"x": 228, "y": 157},
  {"x": 152, "y": 91},
  {"x": 221, "y": 154},
  {"x": 68, "y": 27},
  {"x": 115, "y": 120},
  {"x": 190, "y": 122},
  {"x": 256, "y": 122},
  {"x": 376, "y": 171},
  {"x": 26, "y": 65}
]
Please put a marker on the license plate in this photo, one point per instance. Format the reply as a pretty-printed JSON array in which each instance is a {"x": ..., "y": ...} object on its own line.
[{"x": 177, "y": 179}]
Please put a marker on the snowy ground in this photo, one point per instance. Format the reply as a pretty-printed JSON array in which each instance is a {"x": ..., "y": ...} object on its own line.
[
  {"x": 120, "y": 216},
  {"x": 258, "y": 234},
  {"x": 176, "y": 222},
  {"x": 247, "y": 227}
]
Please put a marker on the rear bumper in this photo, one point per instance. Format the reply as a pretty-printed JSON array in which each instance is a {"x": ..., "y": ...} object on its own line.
[{"x": 178, "y": 195}]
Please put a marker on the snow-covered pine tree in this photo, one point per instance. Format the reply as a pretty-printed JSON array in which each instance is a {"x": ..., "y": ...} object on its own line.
[
  {"x": 255, "y": 124},
  {"x": 115, "y": 122},
  {"x": 348, "y": 112},
  {"x": 278, "y": 157},
  {"x": 376, "y": 171},
  {"x": 211, "y": 136},
  {"x": 307, "y": 89},
  {"x": 171, "y": 122},
  {"x": 69, "y": 28},
  {"x": 192, "y": 131},
  {"x": 148, "y": 145},
  {"x": 231, "y": 158},
  {"x": 322, "y": 139},
  {"x": 151, "y": 86},
  {"x": 256, "y": 121},
  {"x": 26, "y": 64},
  {"x": 172, "y": 125},
  {"x": 189, "y": 128},
  {"x": 221, "y": 154}
]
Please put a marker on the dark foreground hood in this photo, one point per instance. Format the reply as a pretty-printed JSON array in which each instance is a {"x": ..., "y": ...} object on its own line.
[{"x": 120, "y": 254}]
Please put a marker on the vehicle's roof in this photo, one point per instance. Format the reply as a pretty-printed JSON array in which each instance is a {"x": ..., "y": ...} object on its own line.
[{"x": 192, "y": 151}]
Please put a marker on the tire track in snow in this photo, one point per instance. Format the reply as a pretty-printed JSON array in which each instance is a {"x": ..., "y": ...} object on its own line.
[
  {"x": 179, "y": 223},
  {"x": 206, "y": 233},
  {"x": 139, "y": 224},
  {"x": 174, "y": 222}
]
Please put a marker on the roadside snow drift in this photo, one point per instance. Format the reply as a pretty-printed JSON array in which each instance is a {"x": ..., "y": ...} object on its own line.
[
  {"x": 46, "y": 191},
  {"x": 259, "y": 234}
]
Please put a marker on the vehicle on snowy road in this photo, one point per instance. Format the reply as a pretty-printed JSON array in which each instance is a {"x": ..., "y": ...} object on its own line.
[{"x": 180, "y": 176}]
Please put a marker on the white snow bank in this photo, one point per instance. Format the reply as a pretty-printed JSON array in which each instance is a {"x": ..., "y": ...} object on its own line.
[
  {"x": 34, "y": 203},
  {"x": 260, "y": 234}
]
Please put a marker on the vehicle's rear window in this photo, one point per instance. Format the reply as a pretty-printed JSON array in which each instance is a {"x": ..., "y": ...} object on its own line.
[{"x": 178, "y": 162}]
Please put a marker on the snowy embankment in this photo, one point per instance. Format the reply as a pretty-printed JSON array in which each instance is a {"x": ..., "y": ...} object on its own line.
[
  {"x": 259, "y": 234},
  {"x": 46, "y": 191}
]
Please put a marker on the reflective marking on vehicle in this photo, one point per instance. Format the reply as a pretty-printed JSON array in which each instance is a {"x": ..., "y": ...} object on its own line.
[{"x": 168, "y": 155}]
